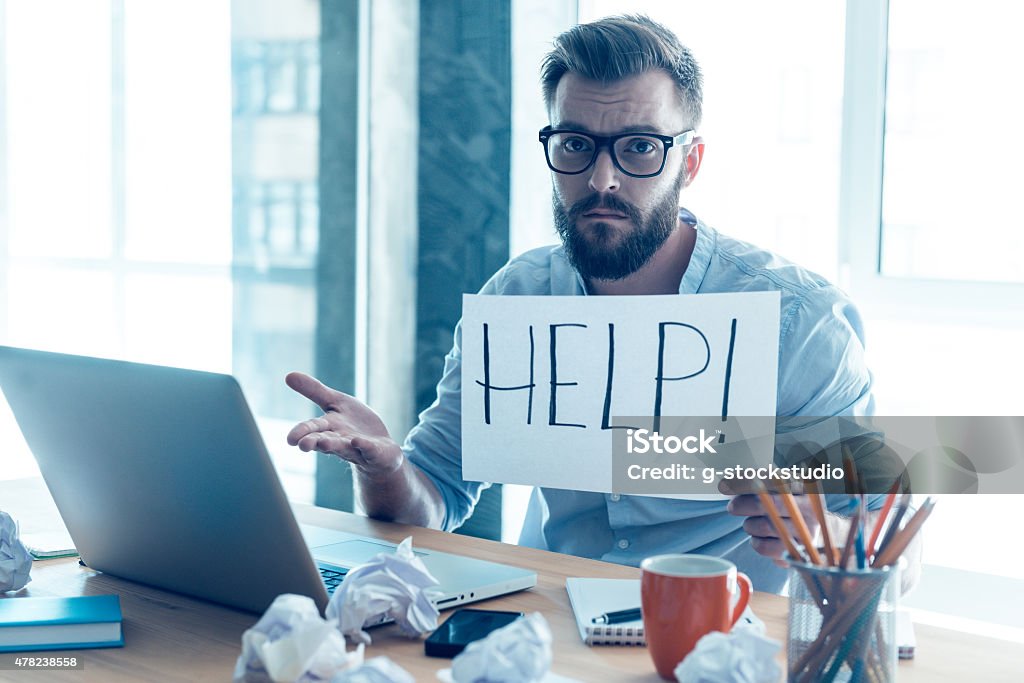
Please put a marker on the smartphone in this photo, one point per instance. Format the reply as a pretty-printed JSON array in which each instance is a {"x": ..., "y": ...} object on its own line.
[{"x": 463, "y": 627}]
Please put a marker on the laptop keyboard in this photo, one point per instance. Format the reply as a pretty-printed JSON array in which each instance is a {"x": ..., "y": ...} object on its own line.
[{"x": 332, "y": 576}]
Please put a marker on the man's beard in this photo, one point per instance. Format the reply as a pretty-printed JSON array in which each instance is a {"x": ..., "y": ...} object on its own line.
[{"x": 604, "y": 257}]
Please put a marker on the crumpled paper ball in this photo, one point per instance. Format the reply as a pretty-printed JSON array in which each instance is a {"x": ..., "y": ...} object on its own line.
[
  {"x": 396, "y": 584},
  {"x": 517, "y": 653},
  {"x": 292, "y": 642},
  {"x": 376, "y": 670},
  {"x": 744, "y": 655},
  {"x": 15, "y": 559}
]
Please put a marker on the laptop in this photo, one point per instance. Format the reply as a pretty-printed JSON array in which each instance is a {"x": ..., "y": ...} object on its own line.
[{"x": 162, "y": 477}]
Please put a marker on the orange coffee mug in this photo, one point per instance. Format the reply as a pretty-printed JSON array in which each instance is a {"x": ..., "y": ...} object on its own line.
[{"x": 685, "y": 597}]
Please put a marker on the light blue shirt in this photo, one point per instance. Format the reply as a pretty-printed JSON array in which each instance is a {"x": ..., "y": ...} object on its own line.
[{"x": 821, "y": 373}]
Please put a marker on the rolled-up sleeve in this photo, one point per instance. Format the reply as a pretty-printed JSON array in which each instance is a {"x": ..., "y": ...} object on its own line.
[
  {"x": 822, "y": 368},
  {"x": 823, "y": 374}
]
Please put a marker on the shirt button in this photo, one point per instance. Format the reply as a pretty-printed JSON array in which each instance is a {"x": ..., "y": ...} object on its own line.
[
  {"x": 615, "y": 497},
  {"x": 623, "y": 544}
]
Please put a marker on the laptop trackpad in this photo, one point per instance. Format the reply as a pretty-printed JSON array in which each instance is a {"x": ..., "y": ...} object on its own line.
[{"x": 351, "y": 553}]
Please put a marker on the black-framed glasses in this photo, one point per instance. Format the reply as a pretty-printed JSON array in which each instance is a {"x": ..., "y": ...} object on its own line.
[{"x": 640, "y": 155}]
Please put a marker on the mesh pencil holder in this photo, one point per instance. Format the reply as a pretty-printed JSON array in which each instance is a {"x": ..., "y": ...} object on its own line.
[{"x": 842, "y": 624}]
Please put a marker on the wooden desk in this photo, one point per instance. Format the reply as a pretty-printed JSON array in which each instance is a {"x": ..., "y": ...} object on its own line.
[{"x": 173, "y": 638}]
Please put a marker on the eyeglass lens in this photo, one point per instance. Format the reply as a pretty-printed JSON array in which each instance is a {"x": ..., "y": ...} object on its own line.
[{"x": 638, "y": 154}]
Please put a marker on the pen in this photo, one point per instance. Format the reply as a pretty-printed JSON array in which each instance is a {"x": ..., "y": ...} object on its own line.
[{"x": 618, "y": 617}]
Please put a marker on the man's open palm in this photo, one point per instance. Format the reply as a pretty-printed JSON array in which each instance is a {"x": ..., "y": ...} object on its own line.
[{"x": 348, "y": 428}]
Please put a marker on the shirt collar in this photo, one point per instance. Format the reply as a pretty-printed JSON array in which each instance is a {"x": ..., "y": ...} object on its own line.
[{"x": 700, "y": 259}]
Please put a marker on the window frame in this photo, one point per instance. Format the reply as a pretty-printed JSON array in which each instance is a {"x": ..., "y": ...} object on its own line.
[{"x": 862, "y": 155}]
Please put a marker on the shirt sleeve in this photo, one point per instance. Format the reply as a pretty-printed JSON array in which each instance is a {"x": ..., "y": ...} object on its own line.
[
  {"x": 822, "y": 369},
  {"x": 434, "y": 445},
  {"x": 823, "y": 375}
]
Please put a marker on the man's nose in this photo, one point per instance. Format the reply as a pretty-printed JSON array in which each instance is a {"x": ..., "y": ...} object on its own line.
[{"x": 604, "y": 176}]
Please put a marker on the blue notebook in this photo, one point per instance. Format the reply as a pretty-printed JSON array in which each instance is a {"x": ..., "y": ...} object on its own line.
[{"x": 28, "y": 624}]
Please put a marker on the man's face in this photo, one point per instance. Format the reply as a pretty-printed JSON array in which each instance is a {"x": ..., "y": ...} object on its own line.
[{"x": 611, "y": 223}]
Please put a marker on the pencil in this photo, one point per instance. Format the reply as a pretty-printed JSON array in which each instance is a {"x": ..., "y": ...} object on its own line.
[
  {"x": 851, "y": 536},
  {"x": 850, "y": 471},
  {"x": 894, "y": 525},
  {"x": 776, "y": 518},
  {"x": 900, "y": 542},
  {"x": 800, "y": 523},
  {"x": 862, "y": 554},
  {"x": 889, "y": 500},
  {"x": 819, "y": 512}
]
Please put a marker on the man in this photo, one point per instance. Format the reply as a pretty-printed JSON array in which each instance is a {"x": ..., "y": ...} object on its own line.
[{"x": 624, "y": 101}]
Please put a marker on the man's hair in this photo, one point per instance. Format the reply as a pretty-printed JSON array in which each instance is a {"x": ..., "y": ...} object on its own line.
[{"x": 614, "y": 48}]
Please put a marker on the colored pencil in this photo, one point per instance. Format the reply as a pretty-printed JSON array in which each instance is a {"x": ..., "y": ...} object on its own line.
[
  {"x": 851, "y": 535},
  {"x": 817, "y": 502},
  {"x": 862, "y": 559},
  {"x": 800, "y": 523},
  {"x": 850, "y": 472},
  {"x": 894, "y": 524},
  {"x": 889, "y": 500},
  {"x": 903, "y": 538},
  {"x": 776, "y": 518}
]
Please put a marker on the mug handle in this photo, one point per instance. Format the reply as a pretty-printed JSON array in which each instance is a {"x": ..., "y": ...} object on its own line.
[{"x": 746, "y": 587}]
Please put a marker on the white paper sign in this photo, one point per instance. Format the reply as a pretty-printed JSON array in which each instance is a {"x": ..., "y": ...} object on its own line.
[{"x": 544, "y": 376}]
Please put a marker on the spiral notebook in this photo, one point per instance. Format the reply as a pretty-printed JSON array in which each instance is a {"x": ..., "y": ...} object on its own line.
[{"x": 593, "y": 597}]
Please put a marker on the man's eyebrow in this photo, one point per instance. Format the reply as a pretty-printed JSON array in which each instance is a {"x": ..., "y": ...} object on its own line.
[{"x": 641, "y": 128}]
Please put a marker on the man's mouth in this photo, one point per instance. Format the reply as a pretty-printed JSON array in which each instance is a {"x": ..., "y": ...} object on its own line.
[{"x": 604, "y": 213}]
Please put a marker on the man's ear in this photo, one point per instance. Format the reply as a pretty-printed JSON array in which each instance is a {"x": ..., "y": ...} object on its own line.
[{"x": 694, "y": 155}]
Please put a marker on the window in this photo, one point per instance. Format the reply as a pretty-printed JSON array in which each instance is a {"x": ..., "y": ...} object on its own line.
[
  {"x": 951, "y": 171},
  {"x": 945, "y": 320},
  {"x": 158, "y": 195}
]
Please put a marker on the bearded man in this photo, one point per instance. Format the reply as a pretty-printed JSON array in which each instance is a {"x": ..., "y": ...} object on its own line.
[{"x": 624, "y": 104}]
